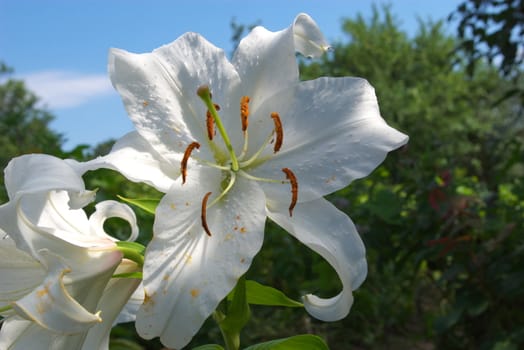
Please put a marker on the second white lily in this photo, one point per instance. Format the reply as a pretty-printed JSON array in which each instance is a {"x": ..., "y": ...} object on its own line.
[{"x": 56, "y": 266}]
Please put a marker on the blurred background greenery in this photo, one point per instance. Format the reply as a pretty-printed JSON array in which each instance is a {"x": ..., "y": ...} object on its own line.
[{"x": 442, "y": 218}]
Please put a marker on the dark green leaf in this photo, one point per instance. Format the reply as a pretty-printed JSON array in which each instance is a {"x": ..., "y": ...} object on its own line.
[
  {"x": 302, "y": 342},
  {"x": 209, "y": 347},
  {"x": 258, "y": 294},
  {"x": 147, "y": 204}
]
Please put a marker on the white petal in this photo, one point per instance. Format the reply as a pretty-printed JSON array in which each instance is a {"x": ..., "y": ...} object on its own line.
[
  {"x": 51, "y": 306},
  {"x": 20, "y": 334},
  {"x": 114, "y": 298},
  {"x": 86, "y": 256},
  {"x": 187, "y": 273},
  {"x": 333, "y": 134},
  {"x": 309, "y": 41},
  {"x": 332, "y": 234},
  {"x": 51, "y": 210},
  {"x": 112, "y": 209},
  {"x": 20, "y": 273},
  {"x": 266, "y": 60},
  {"x": 159, "y": 91},
  {"x": 38, "y": 173},
  {"x": 134, "y": 158},
  {"x": 128, "y": 313},
  {"x": 35, "y": 175}
]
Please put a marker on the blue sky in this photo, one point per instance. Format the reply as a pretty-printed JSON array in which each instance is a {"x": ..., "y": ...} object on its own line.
[{"x": 60, "y": 47}]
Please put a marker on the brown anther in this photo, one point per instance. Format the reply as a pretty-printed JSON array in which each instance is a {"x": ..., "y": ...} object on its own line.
[
  {"x": 203, "y": 215},
  {"x": 183, "y": 164},
  {"x": 279, "y": 132},
  {"x": 244, "y": 112},
  {"x": 210, "y": 123},
  {"x": 294, "y": 188}
]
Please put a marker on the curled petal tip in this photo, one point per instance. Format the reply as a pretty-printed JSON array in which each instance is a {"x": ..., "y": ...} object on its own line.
[{"x": 309, "y": 40}]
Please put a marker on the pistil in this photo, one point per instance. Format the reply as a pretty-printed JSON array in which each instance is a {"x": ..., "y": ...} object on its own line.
[{"x": 204, "y": 93}]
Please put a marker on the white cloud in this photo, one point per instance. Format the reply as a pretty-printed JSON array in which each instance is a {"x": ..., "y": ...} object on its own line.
[{"x": 63, "y": 89}]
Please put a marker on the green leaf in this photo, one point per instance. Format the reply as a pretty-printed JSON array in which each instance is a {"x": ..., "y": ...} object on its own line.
[
  {"x": 386, "y": 205},
  {"x": 302, "y": 342},
  {"x": 445, "y": 322},
  {"x": 258, "y": 294},
  {"x": 124, "y": 344},
  {"x": 505, "y": 345},
  {"x": 209, "y": 347},
  {"x": 147, "y": 204}
]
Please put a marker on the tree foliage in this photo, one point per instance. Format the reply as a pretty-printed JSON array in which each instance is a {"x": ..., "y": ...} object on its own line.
[
  {"x": 24, "y": 126},
  {"x": 493, "y": 29}
]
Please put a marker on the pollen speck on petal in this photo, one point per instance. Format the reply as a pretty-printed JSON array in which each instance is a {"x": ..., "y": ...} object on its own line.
[{"x": 195, "y": 293}]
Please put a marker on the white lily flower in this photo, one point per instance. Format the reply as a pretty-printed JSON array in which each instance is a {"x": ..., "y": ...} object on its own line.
[
  {"x": 282, "y": 145},
  {"x": 57, "y": 263}
]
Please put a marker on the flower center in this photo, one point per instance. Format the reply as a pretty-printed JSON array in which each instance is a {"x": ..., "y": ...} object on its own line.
[{"x": 238, "y": 164}]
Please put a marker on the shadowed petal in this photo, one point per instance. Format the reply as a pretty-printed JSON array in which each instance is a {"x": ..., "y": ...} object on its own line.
[
  {"x": 20, "y": 272},
  {"x": 332, "y": 234},
  {"x": 51, "y": 306},
  {"x": 115, "y": 296}
]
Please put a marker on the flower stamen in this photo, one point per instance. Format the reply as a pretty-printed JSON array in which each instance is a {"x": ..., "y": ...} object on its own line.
[
  {"x": 260, "y": 179},
  {"x": 204, "y": 213},
  {"x": 255, "y": 156},
  {"x": 187, "y": 154},
  {"x": 294, "y": 188},
  {"x": 210, "y": 124},
  {"x": 244, "y": 119},
  {"x": 244, "y": 112},
  {"x": 278, "y": 131}
]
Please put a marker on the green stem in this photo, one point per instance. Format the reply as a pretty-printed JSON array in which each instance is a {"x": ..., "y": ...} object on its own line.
[
  {"x": 237, "y": 316},
  {"x": 231, "y": 341},
  {"x": 205, "y": 95}
]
